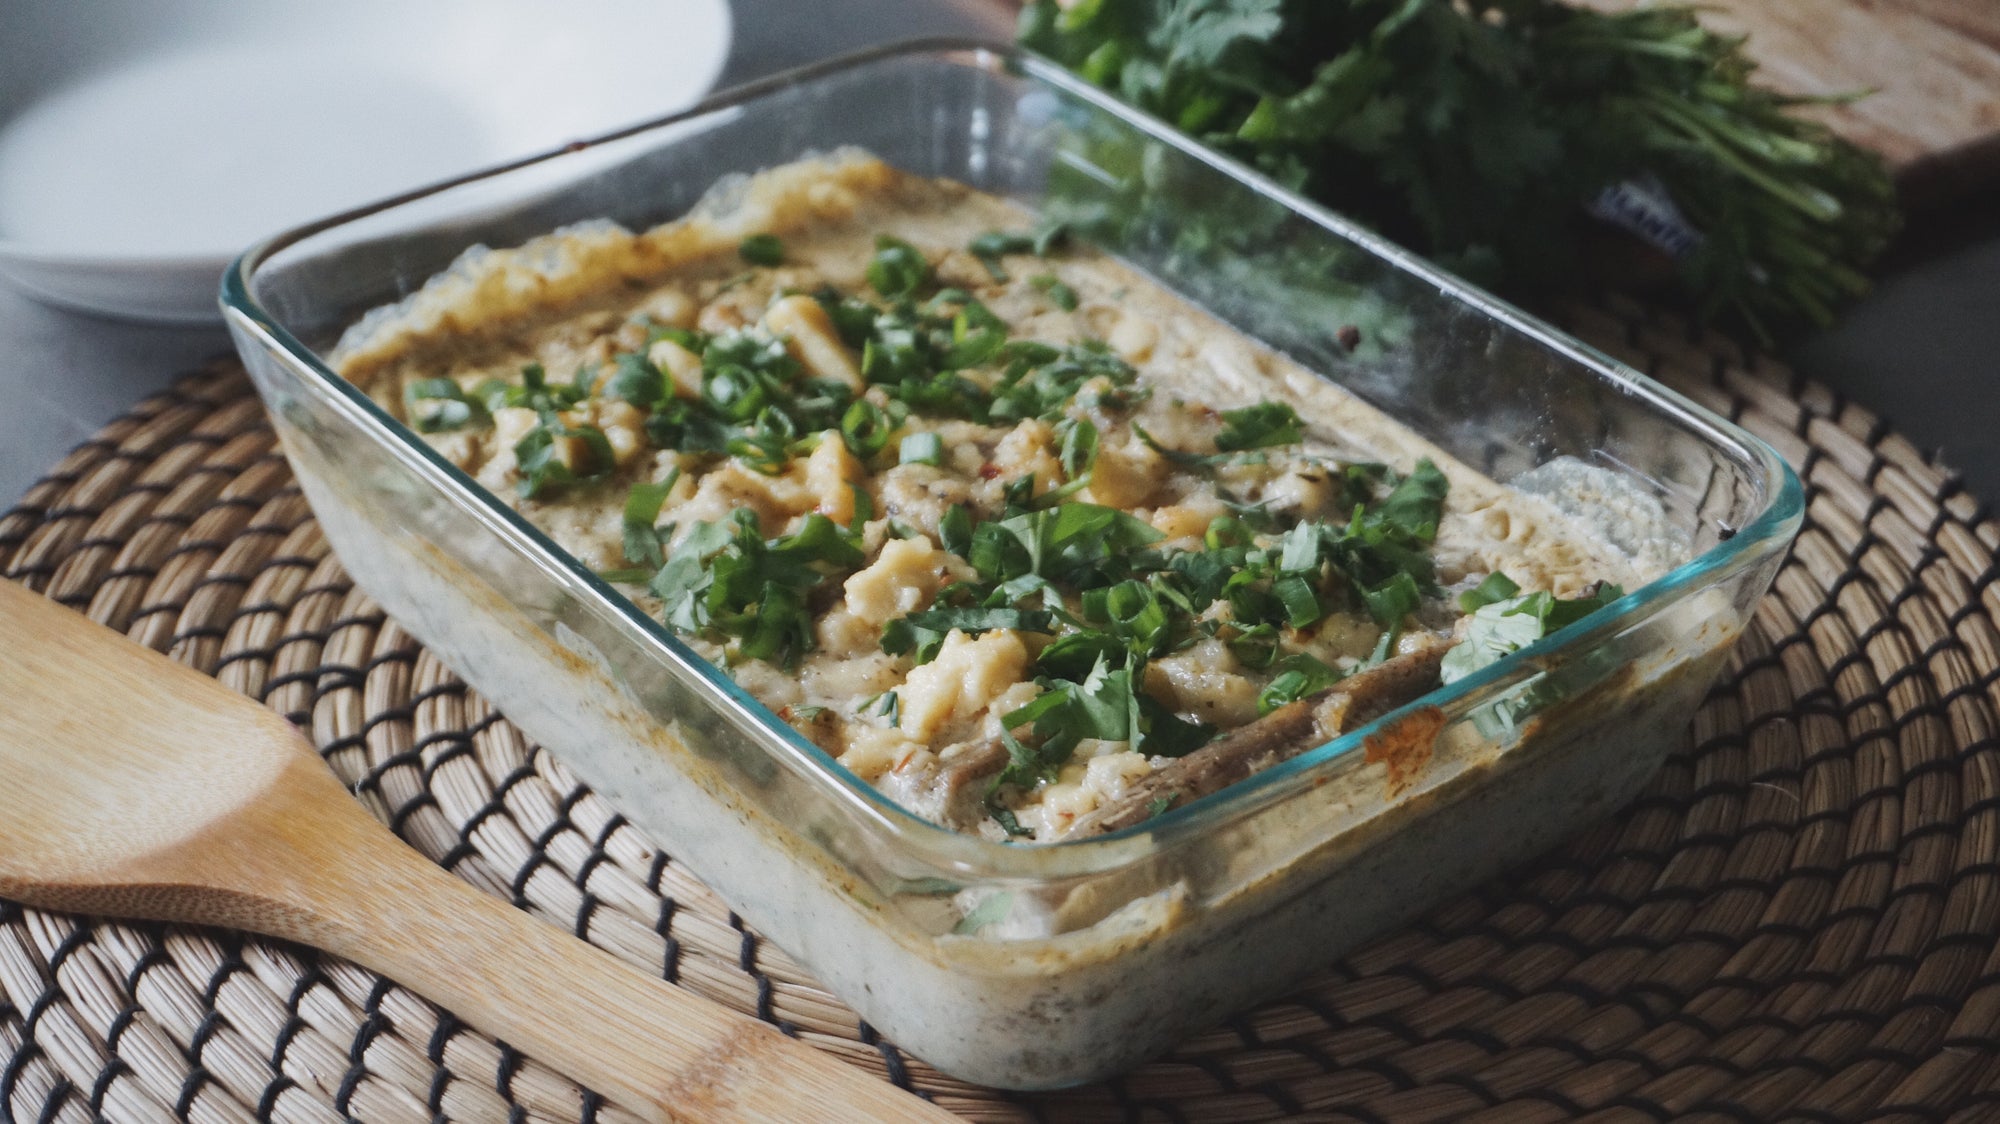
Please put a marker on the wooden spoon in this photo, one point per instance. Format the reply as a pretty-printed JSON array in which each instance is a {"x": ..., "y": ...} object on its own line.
[{"x": 134, "y": 786}]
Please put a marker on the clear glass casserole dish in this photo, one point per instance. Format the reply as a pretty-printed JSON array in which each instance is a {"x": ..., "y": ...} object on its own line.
[{"x": 1038, "y": 966}]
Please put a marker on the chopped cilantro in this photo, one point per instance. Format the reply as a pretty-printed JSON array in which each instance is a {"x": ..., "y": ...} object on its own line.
[
  {"x": 636, "y": 380},
  {"x": 1079, "y": 448},
  {"x": 554, "y": 454},
  {"x": 642, "y": 510},
  {"x": 1500, "y": 628},
  {"x": 725, "y": 580},
  {"x": 454, "y": 409},
  {"x": 1158, "y": 805},
  {"x": 1005, "y": 817},
  {"x": 898, "y": 268},
  {"x": 1416, "y": 503},
  {"x": 1299, "y": 675},
  {"x": 1393, "y": 600},
  {"x": 1059, "y": 294},
  {"x": 762, "y": 249},
  {"x": 1259, "y": 427},
  {"x": 1040, "y": 381},
  {"x": 955, "y": 529},
  {"x": 1496, "y": 586},
  {"x": 923, "y": 633}
]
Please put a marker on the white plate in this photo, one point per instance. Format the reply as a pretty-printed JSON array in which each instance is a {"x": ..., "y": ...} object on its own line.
[{"x": 143, "y": 143}]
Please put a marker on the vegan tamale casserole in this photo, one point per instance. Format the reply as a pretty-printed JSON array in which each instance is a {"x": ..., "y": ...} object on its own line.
[{"x": 1011, "y": 531}]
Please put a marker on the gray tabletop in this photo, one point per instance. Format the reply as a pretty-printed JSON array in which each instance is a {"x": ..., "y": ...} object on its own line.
[{"x": 1923, "y": 350}]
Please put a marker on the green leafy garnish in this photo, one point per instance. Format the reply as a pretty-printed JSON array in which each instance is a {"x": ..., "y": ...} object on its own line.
[
  {"x": 923, "y": 633},
  {"x": 898, "y": 268},
  {"x": 762, "y": 249},
  {"x": 642, "y": 510},
  {"x": 1481, "y": 131},
  {"x": 991, "y": 246},
  {"x": 1040, "y": 380},
  {"x": 554, "y": 454},
  {"x": 1500, "y": 628},
  {"x": 1259, "y": 427},
  {"x": 1299, "y": 675},
  {"x": 1496, "y": 586},
  {"x": 724, "y": 580},
  {"x": 454, "y": 409},
  {"x": 1059, "y": 294},
  {"x": 636, "y": 380}
]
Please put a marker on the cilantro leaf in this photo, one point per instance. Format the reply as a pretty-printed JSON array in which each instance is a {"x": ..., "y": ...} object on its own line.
[
  {"x": 642, "y": 510},
  {"x": 762, "y": 249},
  {"x": 1259, "y": 427},
  {"x": 725, "y": 580},
  {"x": 898, "y": 268},
  {"x": 554, "y": 454},
  {"x": 1299, "y": 675},
  {"x": 923, "y": 633},
  {"x": 453, "y": 409},
  {"x": 1496, "y": 586},
  {"x": 636, "y": 380},
  {"x": 1416, "y": 504},
  {"x": 1501, "y": 628},
  {"x": 1059, "y": 294}
]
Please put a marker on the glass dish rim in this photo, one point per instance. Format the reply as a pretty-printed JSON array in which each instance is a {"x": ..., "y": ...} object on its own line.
[{"x": 974, "y": 855}]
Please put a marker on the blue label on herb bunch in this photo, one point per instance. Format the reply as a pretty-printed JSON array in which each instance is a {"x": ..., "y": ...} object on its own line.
[{"x": 1642, "y": 207}]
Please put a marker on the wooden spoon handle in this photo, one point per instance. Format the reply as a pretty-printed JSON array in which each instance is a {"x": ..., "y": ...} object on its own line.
[
  {"x": 133, "y": 786},
  {"x": 639, "y": 1040}
]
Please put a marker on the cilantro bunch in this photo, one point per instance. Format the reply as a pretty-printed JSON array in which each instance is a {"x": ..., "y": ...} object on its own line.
[{"x": 1479, "y": 131}]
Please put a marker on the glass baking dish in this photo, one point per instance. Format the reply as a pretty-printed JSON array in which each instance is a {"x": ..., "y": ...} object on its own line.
[{"x": 1044, "y": 965}]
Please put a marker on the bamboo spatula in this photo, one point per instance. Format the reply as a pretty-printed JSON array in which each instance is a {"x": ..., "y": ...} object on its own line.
[{"x": 133, "y": 786}]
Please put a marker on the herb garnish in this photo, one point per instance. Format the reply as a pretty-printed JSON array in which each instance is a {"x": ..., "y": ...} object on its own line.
[
  {"x": 898, "y": 268},
  {"x": 762, "y": 249},
  {"x": 1059, "y": 294},
  {"x": 1259, "y": 427},
  {"x": 920, "y": 448},
  {"x": 642, "y": 510},
  {"x": 555, "y": 453},
  {"x": 1480, "y": 130},
  {"x": 455, "y": 408},
  {"x": 1499, "y": 628},
  {"x": 725, "y": 580}
]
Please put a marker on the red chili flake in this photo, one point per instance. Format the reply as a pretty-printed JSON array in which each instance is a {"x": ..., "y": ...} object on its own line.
[
  {"x": 989, "y": 470},
  {"x": 1349, "y": 337}
]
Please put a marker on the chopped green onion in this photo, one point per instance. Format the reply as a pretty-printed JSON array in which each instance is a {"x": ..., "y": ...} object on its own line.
[{"x": 922, "y": 448}]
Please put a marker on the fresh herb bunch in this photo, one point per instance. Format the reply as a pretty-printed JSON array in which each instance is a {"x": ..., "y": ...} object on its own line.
[{"x": 1479, "y": 131}]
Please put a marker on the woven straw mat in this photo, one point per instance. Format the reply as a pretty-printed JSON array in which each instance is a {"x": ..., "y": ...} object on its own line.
[{"x": 1798, "y": 917}]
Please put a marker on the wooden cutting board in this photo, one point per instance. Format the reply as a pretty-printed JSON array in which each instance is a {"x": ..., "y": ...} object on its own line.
[{"x": 1933, "y": 67}]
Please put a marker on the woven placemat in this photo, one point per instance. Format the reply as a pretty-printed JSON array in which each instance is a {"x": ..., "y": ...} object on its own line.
[{"x": 1797, "y": 917}]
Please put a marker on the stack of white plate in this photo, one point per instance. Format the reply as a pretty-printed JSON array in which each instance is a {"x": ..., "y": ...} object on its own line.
[{"x": 143, "y": 143}]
